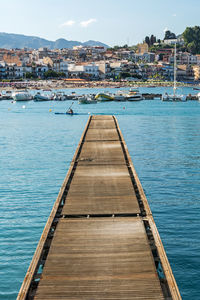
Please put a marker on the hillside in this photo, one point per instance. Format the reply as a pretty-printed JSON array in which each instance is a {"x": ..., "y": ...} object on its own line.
[{"x": 10, "y": 41}]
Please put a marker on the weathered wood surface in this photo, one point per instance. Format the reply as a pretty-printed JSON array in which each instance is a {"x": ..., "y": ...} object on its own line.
[
  {"x": 101, "y": 189},
  {"x": 104, "y": 256},
  {"x": 101, "y": 258},
  {"x": 104, "y": 152}
]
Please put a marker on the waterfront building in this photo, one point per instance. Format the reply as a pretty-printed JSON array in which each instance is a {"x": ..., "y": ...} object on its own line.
[
  {"x": 104, "y": 69},
  {"x": 2, "y": 70},
  {"x": 84, "y": 70}
]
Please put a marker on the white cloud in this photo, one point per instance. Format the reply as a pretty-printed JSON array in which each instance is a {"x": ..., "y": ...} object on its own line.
[
  {"x": 165, "y": 29},
  {"x": 87, "y": 23},
  {"x": 68, "y": 23}
]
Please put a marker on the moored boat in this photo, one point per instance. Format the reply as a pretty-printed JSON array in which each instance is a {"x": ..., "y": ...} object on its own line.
[
  {"x": 7, "y": 95},
  {"x": 175, "y": 97},
  {"x": 41, "y": 98},
  {"x": 104, "y": 97},
  {"x": 59, "y": 96},
  {"x": 22, "y": 96},
  {"x": 89, "y": 99},
  {"x": 134, "y": 95}
]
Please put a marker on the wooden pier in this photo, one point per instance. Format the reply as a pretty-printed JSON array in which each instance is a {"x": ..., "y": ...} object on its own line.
[{"x": 100, "y": 241}]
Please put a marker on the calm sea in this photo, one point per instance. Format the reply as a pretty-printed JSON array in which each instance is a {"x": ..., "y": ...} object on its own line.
[{"x": 36, "y": 147}]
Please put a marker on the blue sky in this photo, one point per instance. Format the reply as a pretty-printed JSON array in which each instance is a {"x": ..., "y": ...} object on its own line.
[{"x": 112, "y": 22}]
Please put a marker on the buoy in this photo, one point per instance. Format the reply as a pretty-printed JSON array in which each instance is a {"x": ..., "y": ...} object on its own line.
[
  {"x": 23, "y": 106},
  {"x": 50, "y": 110},
  {"x": 124, "y": 107}
]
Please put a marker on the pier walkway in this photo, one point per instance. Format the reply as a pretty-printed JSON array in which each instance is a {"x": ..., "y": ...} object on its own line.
[{"x": 100, "y": 241}]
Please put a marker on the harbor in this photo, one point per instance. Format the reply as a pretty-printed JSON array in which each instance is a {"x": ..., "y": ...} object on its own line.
[
  {"x": 101, "y": 228},
  {"x": 93, "y": 96}
]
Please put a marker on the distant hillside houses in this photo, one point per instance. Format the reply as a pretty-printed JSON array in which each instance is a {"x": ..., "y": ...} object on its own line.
[
  {"x": 179, "y": 41},
  {"x": 98, "y": 63}
]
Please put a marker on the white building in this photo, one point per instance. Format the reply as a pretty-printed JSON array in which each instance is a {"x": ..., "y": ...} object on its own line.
[
  {"x": 40, "y": 70},
  {"x": 91, "y": 69},
  {"x": 179, "y": 41},
  {"x": 77, "y": 70}
]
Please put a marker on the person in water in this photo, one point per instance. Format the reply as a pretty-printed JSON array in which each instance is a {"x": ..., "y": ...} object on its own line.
[{"x": 70, "y": 111}]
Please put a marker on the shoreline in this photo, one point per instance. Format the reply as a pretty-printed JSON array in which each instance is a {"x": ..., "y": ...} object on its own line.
[{"x": 58, "y": 84}]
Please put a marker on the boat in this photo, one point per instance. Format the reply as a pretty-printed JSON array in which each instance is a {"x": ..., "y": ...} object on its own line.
[
  {"x": 175, "y": 97},
  {"x": 22, "y": 96},
  {"x": 198, "y": 96},
  {"x": 88, "y": 99},
  {"x": 134, "y": 95},
  {"x": 7, "y": 95},
  {"x": 119, "y": 96},
  {"x": 41, "y": 98},
  {"x": 104, "y": 97},
  {"x": 59, "y": 96}
]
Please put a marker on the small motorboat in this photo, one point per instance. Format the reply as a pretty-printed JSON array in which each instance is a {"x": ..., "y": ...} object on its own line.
[
  {"x": 22, "y": 96},
  {"x": 104, "y": 97},
  {"x": 41, "y": 98},
  {"x": 89, "y": 99}
]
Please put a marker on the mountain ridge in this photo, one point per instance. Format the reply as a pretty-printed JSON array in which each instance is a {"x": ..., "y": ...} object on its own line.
[{"x": 13, "y": 40}]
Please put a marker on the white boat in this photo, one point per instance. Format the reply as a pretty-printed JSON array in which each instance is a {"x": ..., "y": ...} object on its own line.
[
  {"x": 6, "y": 95},
  {"x": 22, "y": 96},
  {"x": 59, "y": 96},
  {"x": 119, "y": 96},
  {"x": 198, "y": 96},
  {"x": 175, "y": 97},
  {"x": 134, "y": 95},
  {"x": 87, "y": 100},
  {"x": 40, "y": 97}
]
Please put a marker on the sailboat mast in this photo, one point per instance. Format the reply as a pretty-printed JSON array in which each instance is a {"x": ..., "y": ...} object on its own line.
[{"x": 175, "y": 69}]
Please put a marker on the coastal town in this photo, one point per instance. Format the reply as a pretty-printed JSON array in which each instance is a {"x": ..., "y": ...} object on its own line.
[
  {"x": 149, "y": 61},
  {"x": 99, "y": 150}
]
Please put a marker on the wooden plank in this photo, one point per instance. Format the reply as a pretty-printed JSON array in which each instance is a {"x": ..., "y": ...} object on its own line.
[
  {"x": 102, "y": 135},
  {"x": 102, "y": 117},
  {"x": 101, "y": 258},
  {"x": 102, "y": 123},
  {"x": 104, "y": 152},
  {"x": 101, "y": 189}
]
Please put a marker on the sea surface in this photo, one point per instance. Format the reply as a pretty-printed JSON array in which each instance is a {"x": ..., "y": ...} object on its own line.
[{"x": 36, "y": 147}]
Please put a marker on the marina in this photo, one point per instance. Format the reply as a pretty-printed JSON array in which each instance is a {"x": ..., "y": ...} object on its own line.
[
  {"x": 100, "y": 240},
  {"x": 132, "y": 95}
]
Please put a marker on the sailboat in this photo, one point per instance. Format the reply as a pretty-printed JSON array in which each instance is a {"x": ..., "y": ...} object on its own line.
[{"x": 175, "y": 97}]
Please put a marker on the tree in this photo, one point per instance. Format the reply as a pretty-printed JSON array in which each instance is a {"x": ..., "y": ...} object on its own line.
[
  {"x": 61, "y": 74},
  {"x": 152, "y": 39},
  {"x": 147, "y": 40},
  {"x": 29, "y": 75},
  {"x": 191, "y": 37},
  {"x": 51, "y": 74},
  {"x": 169, "y": 35},
  {"x": 125, "y": 75}
]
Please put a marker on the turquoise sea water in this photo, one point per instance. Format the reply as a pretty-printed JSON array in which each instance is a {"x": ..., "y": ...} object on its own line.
[{"x": 36, "y": 147}]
